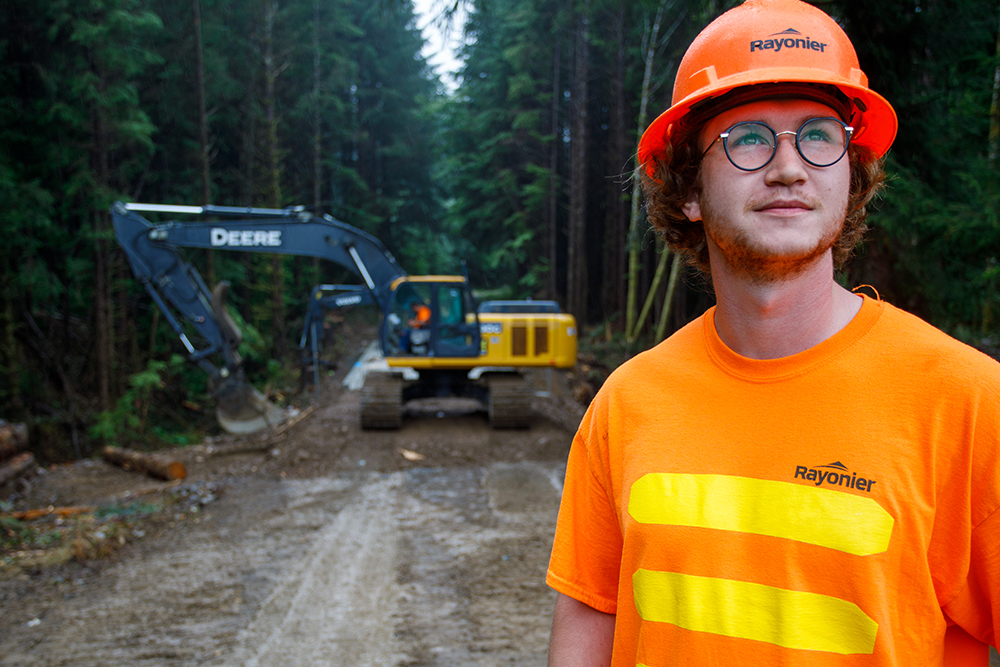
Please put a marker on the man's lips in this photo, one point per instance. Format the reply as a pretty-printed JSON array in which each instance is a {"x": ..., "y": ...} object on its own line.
[{"x": 784, "y": 206}]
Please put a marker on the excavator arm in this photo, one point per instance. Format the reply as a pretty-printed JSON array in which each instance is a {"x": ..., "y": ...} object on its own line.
[{"x": 153, "y": 251}]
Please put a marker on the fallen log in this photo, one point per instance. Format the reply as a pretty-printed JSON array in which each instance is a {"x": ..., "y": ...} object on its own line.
[
  {"x": 31, "y": 515},
  {"x": 19, "y": 466},
  {"x": 155, "y": 465},
  {"x": 13, "y": 439},
  {"x": 132, "y": 495}
]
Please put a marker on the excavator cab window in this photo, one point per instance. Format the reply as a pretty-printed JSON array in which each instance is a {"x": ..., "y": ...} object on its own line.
[
  {"x": 449, "y": 304},
  {"x": 456, "y": 334},
  {"x": 432, "y": 319},
  {"x": 409, "y": 322}
]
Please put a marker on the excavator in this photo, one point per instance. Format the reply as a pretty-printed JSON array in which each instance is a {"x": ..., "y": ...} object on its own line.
[{"x": 435, "y": 341}]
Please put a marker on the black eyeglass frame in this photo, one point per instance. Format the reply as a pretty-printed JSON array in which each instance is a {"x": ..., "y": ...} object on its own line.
[{"x": 724, "y": 136}]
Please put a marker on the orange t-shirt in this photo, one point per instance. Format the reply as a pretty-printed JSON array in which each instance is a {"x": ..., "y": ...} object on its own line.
[{"x": 835, "y": 507}]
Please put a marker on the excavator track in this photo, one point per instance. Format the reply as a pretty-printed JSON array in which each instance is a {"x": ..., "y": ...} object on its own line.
[
  {"x": 382, "y": 401},
  {"x": 509, "y": 402}
]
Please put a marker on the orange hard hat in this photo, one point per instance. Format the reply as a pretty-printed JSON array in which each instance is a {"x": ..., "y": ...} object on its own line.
[{"x": 763, "y": 42}]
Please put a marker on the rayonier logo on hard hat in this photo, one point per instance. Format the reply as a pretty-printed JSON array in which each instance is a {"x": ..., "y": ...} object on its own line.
[{"x": 787, "y": 39}]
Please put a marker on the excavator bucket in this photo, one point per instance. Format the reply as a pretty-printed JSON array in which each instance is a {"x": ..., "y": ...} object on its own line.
[
  {"x": 239, "y": 407},
  {"x": 242, "y": 409}
]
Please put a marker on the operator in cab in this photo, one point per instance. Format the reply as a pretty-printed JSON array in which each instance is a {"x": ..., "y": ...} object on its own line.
[{"x": 418, "y": 335}]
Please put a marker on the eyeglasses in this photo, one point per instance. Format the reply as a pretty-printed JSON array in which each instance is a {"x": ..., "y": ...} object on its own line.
[{"x": 751, "y": 145}]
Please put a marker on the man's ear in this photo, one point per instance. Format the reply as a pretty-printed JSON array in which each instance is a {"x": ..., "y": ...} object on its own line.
[{"x": 692, "y": 207}]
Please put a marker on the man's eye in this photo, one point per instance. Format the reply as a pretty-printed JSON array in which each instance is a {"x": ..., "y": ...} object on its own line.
[
  {"x": 817, "y": 134},
  {"x": 821, "y": 130},
  {"x": 749, "y": 139}
]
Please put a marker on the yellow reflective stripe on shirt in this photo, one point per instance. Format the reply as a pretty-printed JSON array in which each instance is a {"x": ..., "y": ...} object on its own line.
[
  {"x": 832, "y": 519},
  {"x": 791, "y": 619}
]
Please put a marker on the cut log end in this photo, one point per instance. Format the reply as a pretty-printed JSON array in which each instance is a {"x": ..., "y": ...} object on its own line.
[
  {"x": 176, "y": 470},
  {"x": 19, "y": 466},
  {"x": 154, "y": 465},
  {"x": 13, "y": 439}
]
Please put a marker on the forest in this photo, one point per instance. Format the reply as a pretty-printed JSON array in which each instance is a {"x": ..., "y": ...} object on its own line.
[{"x": 524, "y": 172}]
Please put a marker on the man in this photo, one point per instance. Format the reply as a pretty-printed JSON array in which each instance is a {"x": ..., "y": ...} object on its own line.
[
  {"x": 415, "y": 338},
  {"x": 804, "y": 475}
]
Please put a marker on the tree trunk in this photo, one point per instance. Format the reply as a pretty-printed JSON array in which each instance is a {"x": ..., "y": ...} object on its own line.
[
  {"x": 273, "y": 179},
  {"x": 109, "y": 384},
  {"x": 633, "y": 231},
  {"x": 661, "y": 266},
  {"x": 317, "y": 115},
  {"x": 248, "y": 168},
  {"x": 994, "y": 136},
  {"x": 102, "y": 315},
  {"x": 9, "y": 357},
  {"x": 317, "y": 128},
  {"x": 668, "y": 299},
  {"x": 103, "y": 320},
  {"x": 613, "y": 292},
  {"x": 634, "y": 234},
  {"x": 204, "y": 156},
  {"x": 552, "y": 226},
  {"x": 206, "y": 173},
  {"x": 576, "y": 289}
]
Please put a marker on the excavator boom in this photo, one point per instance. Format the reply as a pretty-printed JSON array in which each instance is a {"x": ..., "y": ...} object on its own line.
[{"x": 153, "y": 251}]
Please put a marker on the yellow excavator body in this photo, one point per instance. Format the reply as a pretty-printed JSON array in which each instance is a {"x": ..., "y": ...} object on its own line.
[
  {"x": 511, "y": 336},
  {"x": 518, "y": 340}
]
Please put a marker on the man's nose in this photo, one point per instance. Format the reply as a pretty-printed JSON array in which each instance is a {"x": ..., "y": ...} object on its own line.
[{"x": 787, "y": 166}]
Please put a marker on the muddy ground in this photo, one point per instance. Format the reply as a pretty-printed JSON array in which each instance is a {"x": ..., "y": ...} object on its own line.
[{"x": 324, "y": 545}]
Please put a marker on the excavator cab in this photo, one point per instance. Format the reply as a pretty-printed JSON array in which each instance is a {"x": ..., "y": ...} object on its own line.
[{"x": 429, "y": 320}]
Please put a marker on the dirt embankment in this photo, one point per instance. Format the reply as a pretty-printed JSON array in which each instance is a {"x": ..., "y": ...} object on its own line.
[{"x": 325, "y": 545}]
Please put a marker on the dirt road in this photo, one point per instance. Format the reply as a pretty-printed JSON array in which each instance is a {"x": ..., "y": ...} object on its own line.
[{"x": 331, "y": 546}]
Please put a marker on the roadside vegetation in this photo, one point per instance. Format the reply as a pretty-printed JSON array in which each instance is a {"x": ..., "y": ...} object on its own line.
[{"x": 39, "y": 540}]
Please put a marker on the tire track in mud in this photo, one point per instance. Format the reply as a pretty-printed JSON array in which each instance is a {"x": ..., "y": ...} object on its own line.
[
  {"x": 473, "y": 589},
  {"x": 336, "y": 604},
  {"x": 426, "y": 567}
]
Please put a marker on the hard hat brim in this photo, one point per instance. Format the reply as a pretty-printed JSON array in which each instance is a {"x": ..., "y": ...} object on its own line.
[{"x": 876, "y": 129}]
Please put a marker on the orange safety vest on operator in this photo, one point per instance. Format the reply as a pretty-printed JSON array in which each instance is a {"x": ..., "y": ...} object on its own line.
[
  {"x": 422, "y": 315},
  {"x": 835, "y": 507}
]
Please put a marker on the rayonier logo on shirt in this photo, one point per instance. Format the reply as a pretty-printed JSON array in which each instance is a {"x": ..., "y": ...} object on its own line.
[{"x": 834, "y": 474}]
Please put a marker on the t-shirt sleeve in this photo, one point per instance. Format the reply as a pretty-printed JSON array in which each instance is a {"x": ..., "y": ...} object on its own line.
[
  {"x": 586, "y": 554},
  {"x": 977, "y": 606}
]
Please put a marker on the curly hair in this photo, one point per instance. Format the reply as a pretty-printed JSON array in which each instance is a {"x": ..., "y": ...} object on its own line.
[{"x": 677, "y": 175}]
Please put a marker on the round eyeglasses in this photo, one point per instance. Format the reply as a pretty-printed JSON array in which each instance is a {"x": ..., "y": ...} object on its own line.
[{"x": 751, "y": 145}]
